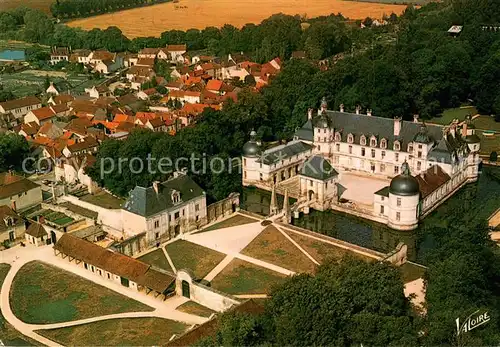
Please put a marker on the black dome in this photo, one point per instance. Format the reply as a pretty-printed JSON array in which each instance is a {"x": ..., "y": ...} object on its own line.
[
  {"x": 404, "y": 184},
  {"x": 251, "y": 148},
  {"x": 323, "y": 121},
  {"x": 422, "y": 136}
]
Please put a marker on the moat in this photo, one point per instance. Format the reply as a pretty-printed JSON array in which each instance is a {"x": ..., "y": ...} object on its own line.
[{"x": 475, "y": 201}]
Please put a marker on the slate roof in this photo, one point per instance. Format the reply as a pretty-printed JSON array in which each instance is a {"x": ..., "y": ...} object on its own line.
[
  {"x": 306, "y": 132},
  {"x": 115, "y": 263},
  {"x": 384, "y": 191},
  {"x": 319, "y": 168},
  {"x": 282, "y": 152},
  {"x": 147, "y": 202}
]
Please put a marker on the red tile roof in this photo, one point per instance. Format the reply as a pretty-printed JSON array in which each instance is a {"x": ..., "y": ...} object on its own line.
[
  {"x": 214, "y": 85},
  {"x": 43, "y": 113},
  {"x": 176, "y": 48}
]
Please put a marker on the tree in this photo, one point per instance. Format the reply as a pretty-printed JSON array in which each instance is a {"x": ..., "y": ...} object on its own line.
[
  {"x": 250, "y": 80},
  {"x": 368, "y": 22},
  {"x": 14, "y": 149},
  {"x": 38, "y": 27}
]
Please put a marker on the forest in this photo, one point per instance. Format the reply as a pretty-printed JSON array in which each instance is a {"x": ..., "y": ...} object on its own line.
[{"x": 83, "y": 8}]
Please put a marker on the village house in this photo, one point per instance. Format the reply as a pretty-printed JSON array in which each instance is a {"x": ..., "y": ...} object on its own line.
[
  {"x": 12, "y": 225},
  {"x": 116, "y": 267},
  {"x": 66, "y": 99},
  {"x": 88, "y": 145},
  {"x": 72, "y": 171},
  {"x": 28, "y": 130},
  {"x": 52, "y": 89},
  {"x": 165, "y": 210},
  {"x": 18, "y": 192},
  {"x": 81, "y": 56},
  {"x": 148, "y": 53},
  {"x": 59, "y": 54},
  {"x": 156, "y": 125},
  {"x": 37, "y": 235},
  {"x": 183, "y": 96},
  {"x": 146, "y": 94},
  {"x": 176, "y": 53},
  {"x": 20, "y": 107},
  {"x": 100, "y": 56},
  {"x": 97, "y": 92},
  {"x": 47, "y": 114}
]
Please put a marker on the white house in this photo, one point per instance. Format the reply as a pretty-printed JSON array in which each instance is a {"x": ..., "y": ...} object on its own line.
[
  {"x": 165, "y": 210},
  {"x": 12, "y": 226},
  {"x": 18, "y": 192},
  {"x": 36, "y": 234},
  {"x": 19, "y": 107},
  {"x": 176, "y": 53}
]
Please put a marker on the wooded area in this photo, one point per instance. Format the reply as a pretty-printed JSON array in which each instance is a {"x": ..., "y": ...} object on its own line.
[{"x": 84, "y": 8}]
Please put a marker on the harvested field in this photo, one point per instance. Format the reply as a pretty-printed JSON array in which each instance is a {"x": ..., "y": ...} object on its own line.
[
  {"x": 43, "y": 5},
  {"x": 187, "y": 14}
]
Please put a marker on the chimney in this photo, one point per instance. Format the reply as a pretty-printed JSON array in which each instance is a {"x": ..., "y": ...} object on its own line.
[
  {"x": 358, "y": 109},
  {"x": 464, "y": 129},
  {"x": 310, "y": 113},
  {"x": 324, "y": 105},
  {"x": 156, "y": 186},
  {"x": 369, "y": 112},
  {"x": 341, "y": 107},
  {"x": 13, "y": 205},
  {"x": 415, "y": 118},
  {"x": 397, "y": 126}
]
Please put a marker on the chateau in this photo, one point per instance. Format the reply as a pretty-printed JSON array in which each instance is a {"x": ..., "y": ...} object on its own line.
[{"x": 387, "y": 170}]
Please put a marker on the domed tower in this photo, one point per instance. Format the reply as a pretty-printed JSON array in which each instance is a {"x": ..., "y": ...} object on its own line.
[
  {"x": 323, "y": 130},
  {"x": 474, "y": 144},
  {"x": 251, "y": 155},
  {"x": 404, "y": 197}
]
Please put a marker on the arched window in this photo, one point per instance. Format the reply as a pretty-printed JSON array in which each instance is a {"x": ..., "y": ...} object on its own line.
[
  {"x": 338, "y": 138},
  {"x": 383, "y": 143},
  {"x": 350, "y": 138},
  {"x": 362, "y": 141},
  {"x": 397, "y": 146},
  {"x": 373, "y": 141}
]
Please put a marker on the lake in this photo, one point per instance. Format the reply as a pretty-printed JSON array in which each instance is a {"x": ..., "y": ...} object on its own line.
[{"x": 11, "y": 55}]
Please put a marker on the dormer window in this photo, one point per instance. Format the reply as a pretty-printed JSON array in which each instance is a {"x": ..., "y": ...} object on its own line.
[
  {"x": 362, "y": 141},
  {"x": 337, "y": 137},
  {"x": 176, "y": 197},
  {"x": 373, "y": 141},
  {"x": 350, "y": 138},
  {"x": 410, "y": 147},
  {"x": 383, "y": 143},
  {"x": 397, "y": 146}
]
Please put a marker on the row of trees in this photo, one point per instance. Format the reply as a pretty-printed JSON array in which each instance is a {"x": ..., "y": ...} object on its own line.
[
  {"x": 278, "y": 35},
  {"x": 83, "y": 8}
]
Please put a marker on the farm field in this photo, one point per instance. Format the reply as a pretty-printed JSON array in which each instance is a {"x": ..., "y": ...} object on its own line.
[
  {"x": 187, "y": 14},
  {"x": 43, "y": 5},
  {"x": 43, "y": 294},
  {"x": 117, "y": 332}
]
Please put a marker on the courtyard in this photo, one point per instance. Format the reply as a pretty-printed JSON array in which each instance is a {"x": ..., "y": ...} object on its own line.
[{"x": 360, "y": 188}]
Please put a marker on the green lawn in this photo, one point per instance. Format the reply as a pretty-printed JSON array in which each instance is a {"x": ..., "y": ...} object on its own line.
[
  {"x": 453, "y": 113},
  {"x": 273, "y": 247},
  {"x": 196, "y": 309},
  {"x": 117, "y": 332},
  {"x": 8, "y": 334},
  {"x": 231, "y": 222},
  {"x": 103, "y": 199},
  {"x": 198, "y": 259},
  {"x": 43, "y": 294},
  {"x": 158, "y": 259},
  {"x": 241, "y": 277}
]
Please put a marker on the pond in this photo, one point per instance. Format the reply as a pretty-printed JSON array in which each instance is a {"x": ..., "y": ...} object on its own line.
[
  {"x": 479, "y": 199},
  {"x": 10, "y": 55}
]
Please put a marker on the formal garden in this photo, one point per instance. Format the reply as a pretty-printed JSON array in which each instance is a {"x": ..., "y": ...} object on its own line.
[
  {"x": 195, "y": 258},
  {"x": 44, "y": 294},
  {"x": 156, "y": 258}
]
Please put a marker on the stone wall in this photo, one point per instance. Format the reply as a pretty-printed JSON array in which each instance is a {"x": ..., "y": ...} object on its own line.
[
  {"x": 204, "y": 295},
  {"x": 399, "y": 255},
  {"x": 223, "y": 208},
  {"x": 106, "y": 217}
]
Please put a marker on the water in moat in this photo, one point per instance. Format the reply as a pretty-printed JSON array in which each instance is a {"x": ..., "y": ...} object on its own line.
[{"x": 480, "y": 200}]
